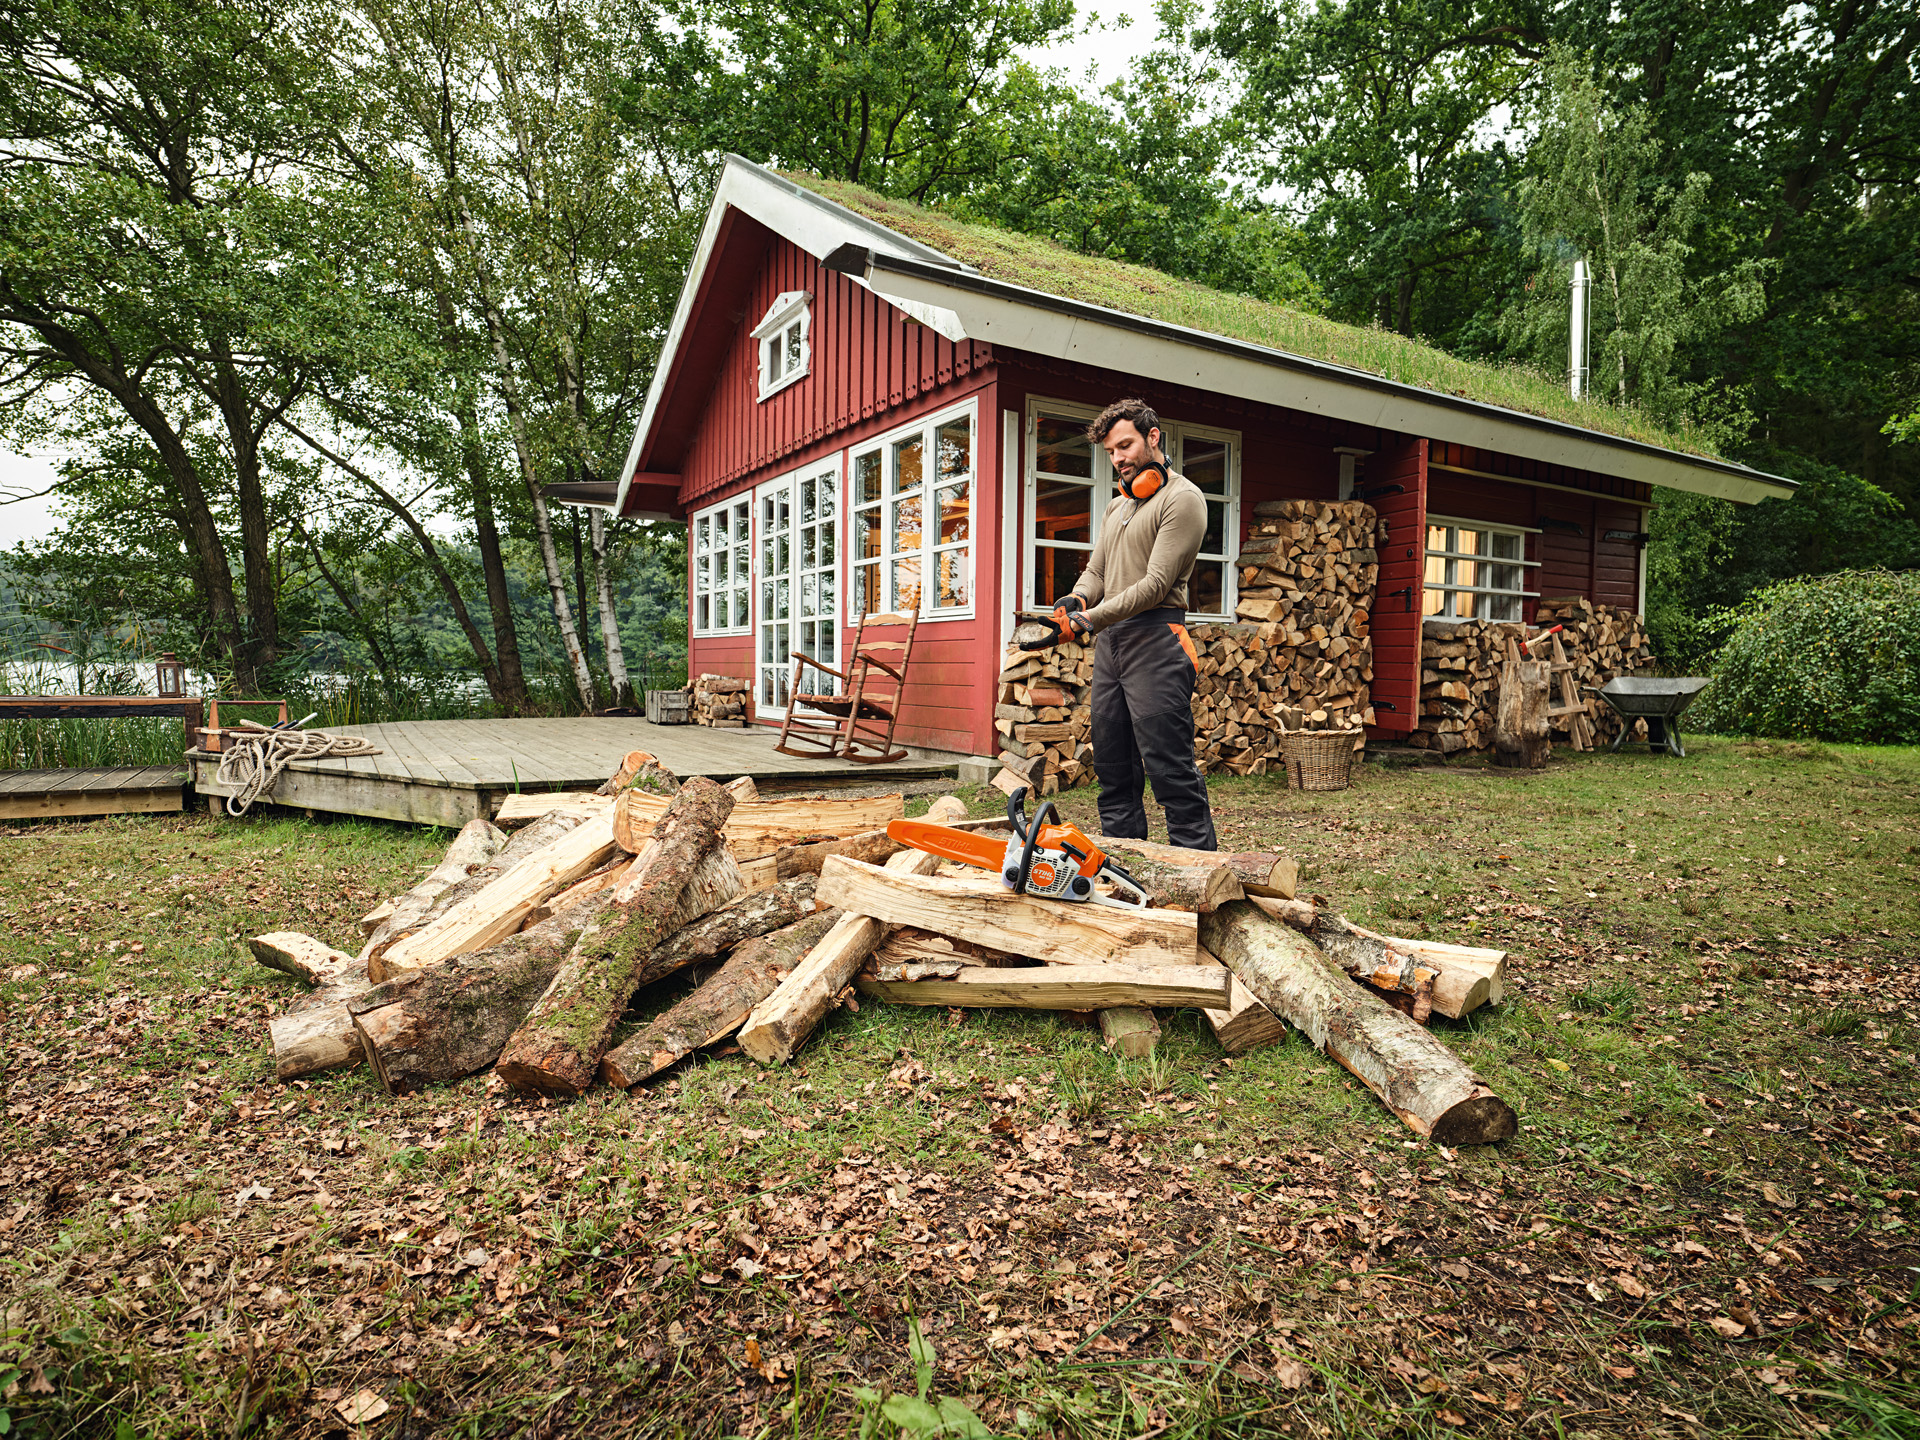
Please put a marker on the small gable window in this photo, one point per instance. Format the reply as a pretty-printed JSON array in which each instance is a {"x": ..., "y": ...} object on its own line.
[{"x": 785, "y": 353}]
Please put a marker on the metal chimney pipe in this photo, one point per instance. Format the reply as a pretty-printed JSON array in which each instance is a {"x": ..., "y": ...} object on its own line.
[{"x": 1577, "y": 350}]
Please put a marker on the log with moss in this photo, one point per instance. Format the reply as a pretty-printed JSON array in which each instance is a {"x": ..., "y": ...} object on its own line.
[
  {"x": 558, "y": 1048},
  {"x": 718, "y": 1007},
  {"x": 453, "y": 1018}
]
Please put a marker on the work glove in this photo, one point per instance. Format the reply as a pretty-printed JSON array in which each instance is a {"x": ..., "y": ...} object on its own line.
[{"x": 1061, "y": 626}]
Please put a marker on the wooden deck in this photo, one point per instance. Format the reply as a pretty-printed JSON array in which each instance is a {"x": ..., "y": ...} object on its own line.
[
  {"x": 123, "y": 790},
  {"x": 447, "y": 772}
]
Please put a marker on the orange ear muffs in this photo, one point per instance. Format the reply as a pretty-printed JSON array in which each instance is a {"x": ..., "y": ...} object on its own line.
[{"x": 1146, "y": 481}]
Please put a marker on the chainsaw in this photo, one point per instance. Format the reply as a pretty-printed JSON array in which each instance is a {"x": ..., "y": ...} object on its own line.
[{"x": 1055, "y": 861}]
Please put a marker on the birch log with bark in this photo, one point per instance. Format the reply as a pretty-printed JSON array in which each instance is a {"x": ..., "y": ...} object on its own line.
[
  {"x": 1259, "y": 872},
  {"x": 717, "y": 1008},
  {"x": 1392, "y": 965},
  {"x": 451, "y": 1020},
  {"x": 558, "y": 1048},
  {"x": 315, "y": 1033},
  {"x": 1188, "y": 884},
  {"x": 1418, "y": 1078}
]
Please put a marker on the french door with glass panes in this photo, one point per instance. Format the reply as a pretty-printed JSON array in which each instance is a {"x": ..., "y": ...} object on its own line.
[{"x": 798, "y": 590}]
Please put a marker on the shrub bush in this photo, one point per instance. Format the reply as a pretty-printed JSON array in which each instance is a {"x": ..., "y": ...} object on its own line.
[{"x": 1822, "y": 657}]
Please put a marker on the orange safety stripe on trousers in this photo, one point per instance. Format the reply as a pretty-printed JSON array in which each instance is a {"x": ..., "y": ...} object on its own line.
[{"x": 1186, "y": 644}]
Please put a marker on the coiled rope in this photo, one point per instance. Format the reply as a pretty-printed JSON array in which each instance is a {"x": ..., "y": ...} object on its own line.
[{"x": 253, "y": 760}]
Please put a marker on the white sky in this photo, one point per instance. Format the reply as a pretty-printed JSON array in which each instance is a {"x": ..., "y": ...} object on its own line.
[{"x": 1094, "y": 41}]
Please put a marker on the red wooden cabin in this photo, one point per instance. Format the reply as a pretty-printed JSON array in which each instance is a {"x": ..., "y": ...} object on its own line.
[{"x": 866, "y": 406}]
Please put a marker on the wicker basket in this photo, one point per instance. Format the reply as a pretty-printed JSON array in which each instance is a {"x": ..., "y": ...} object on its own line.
[{"x": 1317, "y": 759}]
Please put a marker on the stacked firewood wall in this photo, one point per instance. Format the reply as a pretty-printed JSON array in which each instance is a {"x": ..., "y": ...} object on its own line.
[
  {"x": 1299, "y": 657},
  {"x": 1041, "y": 717},
  {"x": 1460, "y": 669},
  {"x": 721, "y": 701}
]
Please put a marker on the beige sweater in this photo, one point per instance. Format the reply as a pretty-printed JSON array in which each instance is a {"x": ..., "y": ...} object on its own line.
[{"x": 1144, "y": 556}]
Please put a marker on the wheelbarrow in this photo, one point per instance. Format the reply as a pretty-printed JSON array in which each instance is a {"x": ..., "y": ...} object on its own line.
[{"x": 1658, "y": 702}]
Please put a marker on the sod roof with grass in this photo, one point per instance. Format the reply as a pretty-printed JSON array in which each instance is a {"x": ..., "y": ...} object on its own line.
[{"x": 1052, "y": 269}]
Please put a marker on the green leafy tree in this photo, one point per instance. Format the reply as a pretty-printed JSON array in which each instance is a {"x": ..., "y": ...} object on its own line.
[
  {"x": 163, "y": 248},
  {"x": 1593, "y": 189},
  {"x": 1373, "y": 119},
  {"x": 1142, "y": 171},
  {"x": 918, "y": 98}
]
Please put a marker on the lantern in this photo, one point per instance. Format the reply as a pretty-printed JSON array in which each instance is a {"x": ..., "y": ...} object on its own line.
[{"x": 171, "y": 677}]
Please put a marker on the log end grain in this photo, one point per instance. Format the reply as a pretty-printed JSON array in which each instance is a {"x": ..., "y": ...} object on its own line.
[{"x": 1483, "y": 1118}]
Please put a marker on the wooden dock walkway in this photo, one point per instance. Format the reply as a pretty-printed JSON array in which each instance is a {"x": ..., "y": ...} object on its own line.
[
  {"x": 119, "y": 790},
  {"x": 447, "y": 772}
]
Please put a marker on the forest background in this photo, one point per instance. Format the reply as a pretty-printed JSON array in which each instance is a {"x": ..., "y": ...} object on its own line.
[{"x": 309, "y": 302}]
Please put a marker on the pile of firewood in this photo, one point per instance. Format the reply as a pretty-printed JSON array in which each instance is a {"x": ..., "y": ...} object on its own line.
[
  {"x": 522, "y": 952},
  {"x": 720, "y": 700},
  {"x": 1302, "y": 658},
  {"x": 1461, "y": 663},
  {"x": 1041, "y": 718}
]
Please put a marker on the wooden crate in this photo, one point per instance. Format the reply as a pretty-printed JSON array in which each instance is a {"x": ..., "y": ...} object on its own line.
[{"x": 669, "y": 707}]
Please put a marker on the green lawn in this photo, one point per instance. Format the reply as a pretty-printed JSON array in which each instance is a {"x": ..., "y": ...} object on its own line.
[{"x": 1705, "y": 1225}]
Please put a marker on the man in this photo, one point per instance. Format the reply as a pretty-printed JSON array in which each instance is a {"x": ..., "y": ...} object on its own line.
[{"x": 1133, "y": 597}]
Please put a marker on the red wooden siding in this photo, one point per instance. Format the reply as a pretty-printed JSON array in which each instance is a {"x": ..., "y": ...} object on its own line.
[
  {"x": 867, "y": 358},
  {"x": 1396, "y": 618}
]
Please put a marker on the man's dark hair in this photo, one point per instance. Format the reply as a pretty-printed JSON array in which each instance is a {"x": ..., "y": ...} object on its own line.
[{"x": 1138, "y": 411}]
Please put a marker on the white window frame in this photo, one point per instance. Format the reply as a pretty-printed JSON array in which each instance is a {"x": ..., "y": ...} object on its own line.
[
  {"x": 1452, "y": 557},
  {"x": 929, "y": 550},
  {"x": 1173, "y": 437},
  {"x": 790, "y": 309},
  {"x": 734, "y": 544}
]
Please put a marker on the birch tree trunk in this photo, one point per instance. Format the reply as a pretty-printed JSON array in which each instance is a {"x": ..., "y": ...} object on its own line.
[{"x": 617, "y": 678}]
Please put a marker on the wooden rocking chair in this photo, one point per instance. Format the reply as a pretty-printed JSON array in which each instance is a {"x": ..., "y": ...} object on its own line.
[{"x": 867, "y": 707}]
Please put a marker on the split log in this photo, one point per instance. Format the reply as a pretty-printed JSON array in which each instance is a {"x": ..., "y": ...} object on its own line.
[
  {"x": 473, "y": 849},
  {"x": 519, "y": 809},
  {"x": 985, "y": 912},
  {"x": 1244, "y": 1023},
  {"x": 605, "y": 878},
  {"x": 439, "y": 1024},
  {"x": 558, "y": 1047},
  {"x": 1258, "y": 872},
  {"x": 782, "y": 1021},
  {"x": 1477, "y": 960},
  {"x": 872, "y": 846},
  {"x": 495, "y": 912},
  {"x": 1061, "y": 987},
  {"x": 717, "y": 1008},
  {"x": 416, "y": 910},
  {"x": 879, "y": 969},
  {"x": 1130, "y": 1030},
  {"x": 1393, "y": 965},
  {"x": 1188, "y": 884},
  {"x": 306, "y": 959},
  {"x": 751, "y": 914},
  {"x": 910, "y": 944},
  {"x": 762, "y": 827},
  {"x": 1419, "y": 1079}
]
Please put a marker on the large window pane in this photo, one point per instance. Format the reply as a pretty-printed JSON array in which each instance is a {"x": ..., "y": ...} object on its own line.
[
  {"x": 956, "y": 448},
  {"x": 1055, "y": 572},
  {"x": 1062, "y": 511},
  {"x": 1061, "y": 447},
  {"x": 1204, "y": 462},
  {"x": 866, "y": 477},
  {"x": 908, "y": 459},
  {"x": 905, "y": 532},
  {"x": 1214, "y": 542},
  {"x": 956, "y": 506},
  {"x": 1206, "y": 595},
  {"x": 866, "y": 590},
  {"x": 866, "y": 534},
  {"x": 950, "y": 569},
  {"x": 906, "y": 583}
]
